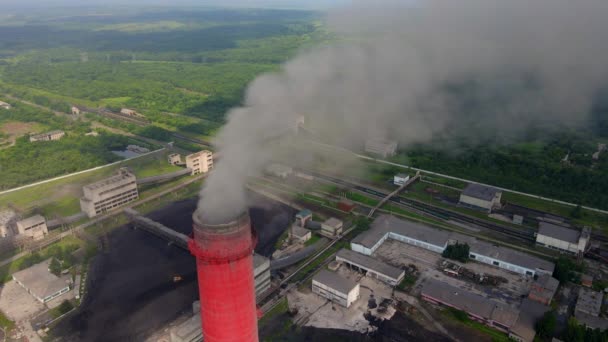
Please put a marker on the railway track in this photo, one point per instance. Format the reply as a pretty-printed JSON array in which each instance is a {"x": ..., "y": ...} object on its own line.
[{"x": 444, "y": 214}]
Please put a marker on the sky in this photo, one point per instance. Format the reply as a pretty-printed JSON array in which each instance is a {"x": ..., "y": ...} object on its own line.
[{"x": 304, "y": 4}]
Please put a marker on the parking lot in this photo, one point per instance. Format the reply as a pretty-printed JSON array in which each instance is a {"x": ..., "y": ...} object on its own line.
[{"x": 400, "y": 254}]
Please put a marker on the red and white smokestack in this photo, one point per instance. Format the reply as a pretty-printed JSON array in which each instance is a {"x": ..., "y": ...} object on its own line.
[{"x": 224, "y": 264}]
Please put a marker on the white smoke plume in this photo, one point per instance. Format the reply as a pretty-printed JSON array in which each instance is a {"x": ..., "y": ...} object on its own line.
[{"x": 393, "y": 72}]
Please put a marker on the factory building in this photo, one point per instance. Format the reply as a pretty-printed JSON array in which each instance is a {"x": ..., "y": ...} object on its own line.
[
  {"x": 200, "y": 162},
  {"x": 174, "y": 159},
  {"x": 543, "y": 289},
  {"x": 588, "y": 308},
  {"x": 48, "y": 136},
  {"x": 480, "y": 197},
  {"x": 381, "y": 147},
  {"x": 279, "y": 170},
  {"x": 41, "y": 283},
  {"x": 302, "y": 217},
  {"x": 529, "y": 313},
  {"x": 335, "y": 288},
  {"x": 7, "y": 222},
  {"x": 371, "y": 267},
  {"x": 34, "y": 227},
  {"x": 492, "y": 313},
  {"x": 436, "y": 240},
  {"x": 110, "y": 193},
  {"x": 299, "y": 234},
  {"x": 261, "y": 274},
  {"x": 562, "y": 238},
  {"x": 400, "y": 179},
  {"x": 332, "y": 227}
]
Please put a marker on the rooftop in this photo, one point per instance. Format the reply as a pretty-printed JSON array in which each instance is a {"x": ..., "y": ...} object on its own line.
[
  {"x": 40, "y": 281},
  {"x": 385, "y": 224},
  {"x": 31, "y": 221},
  {"x": 402, "y": 175},
  {"x": 304, "y": 213},
  {"x": 558, "y": 232},
  {"x": 298, "y": 231},
  {"x": 198, "y": 154},
  {"x": 122, "y": 175},
  {"x": 530, "y": 313},
  {"x": 334, "y": 281},
  {"x": 480, "y": 191},
  {"x": 589, "y": 301},
  {"x": 470, "y": 302},
  {"x": 333, "y": 222},
  {"x": 511, "y": 256},
  {"x": 544, "y": 287},
  {"x": 370, "y": 263}
]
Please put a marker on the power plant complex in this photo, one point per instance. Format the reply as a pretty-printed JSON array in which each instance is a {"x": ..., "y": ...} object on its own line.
[{"x": 224, "y": 261}]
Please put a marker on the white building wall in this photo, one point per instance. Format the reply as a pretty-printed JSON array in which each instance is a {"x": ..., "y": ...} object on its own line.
[
  {"x": 558, "y": 244},
  {"x": 476, "y": 202},
  {"x": 423, "y": 244},
  {"x": 502, "y": 264},
  {"x": 344, "y": 299},
  {"x": 360, "y": 249}
]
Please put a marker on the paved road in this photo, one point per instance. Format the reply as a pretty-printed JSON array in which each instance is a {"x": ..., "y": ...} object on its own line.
[{"x": 382, "y": 161}]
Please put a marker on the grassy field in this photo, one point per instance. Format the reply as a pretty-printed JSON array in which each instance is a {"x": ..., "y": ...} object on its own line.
[{"x": 61, "y": 197}]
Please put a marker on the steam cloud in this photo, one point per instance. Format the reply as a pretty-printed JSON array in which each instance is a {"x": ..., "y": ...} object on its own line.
[{"x": 391, "y": 73}]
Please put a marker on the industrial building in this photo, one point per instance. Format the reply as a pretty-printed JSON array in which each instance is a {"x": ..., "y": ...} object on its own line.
[
  {"x": 34, "y": 227},
  {"x": 335, "y": 288},
  {"x": 48, "y": 136},
  {"x": 110, "y": 193},
  {"x": 41, "y": 283},
  {"x": 174, "y": 159},
  {"x": 381, "y": 147},
  {"x": 279, "y": 170},
  {"x": 302, "y": 217},
  {"x": 5, "y": 105},
  {"x": 371, "y": 267},
  {"x": 543, "y": 289},
  {"x": 401, "y": 178},
  {"x": 200, "y": 162},
  {"x": 589, "y": 302},
  {"x": 436, "y": 240},
  {"x": 480, "y": 197},
  {"x": 529, "y": 313},
  {"x": 563, "y": 239},
  {"x": 299, "y": 234},
  {"x": 261, "y": 274},
  {"x": 7, "y": 222},
  {"x": 332, "y": 227},
  {"x": 481, "y": 309}
]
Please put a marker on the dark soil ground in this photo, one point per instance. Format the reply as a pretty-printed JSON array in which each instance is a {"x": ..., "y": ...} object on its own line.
[{"x": 131, "y": 290}]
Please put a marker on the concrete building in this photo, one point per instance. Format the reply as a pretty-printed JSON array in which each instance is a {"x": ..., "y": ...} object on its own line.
[
  {"x": 200, "y": 162},
  {"x": 34, "y": 227},
  {"x": 174, "y": 159},
  {"x": 261, "y": 274},
  {"x": 400, "y": 179},
  {"x": 543, "y": 289},
  {"x": 335, "y": 288},
  {"x": 332, "y": 227},
  {"x": 302, "y": 217},
  {"x": 480, "y": 197},
  {"x": 436, "y": 240},
  {"x": 299, "y": 234},
  {"x": 561, "y": 238},
  {"x": 529, "y": 313},
  {"x": 8, "y": 218},
  {"x": 589, "y": 302},
  {"x": 492, "y": 313},
  {"x": 5, "y": 105},
  {"x": 381, "y": 147},
  {"x": 110, "y": 193},
  {"x": 41, "y": 283},
  {"x": 371, "y": 267},
  {"x": 279, "y": 170},
  {"x": 48, "y": 136}
]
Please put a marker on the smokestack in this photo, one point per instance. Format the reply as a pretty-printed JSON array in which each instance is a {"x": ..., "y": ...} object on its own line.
[{"x": 224, "y": 265}]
